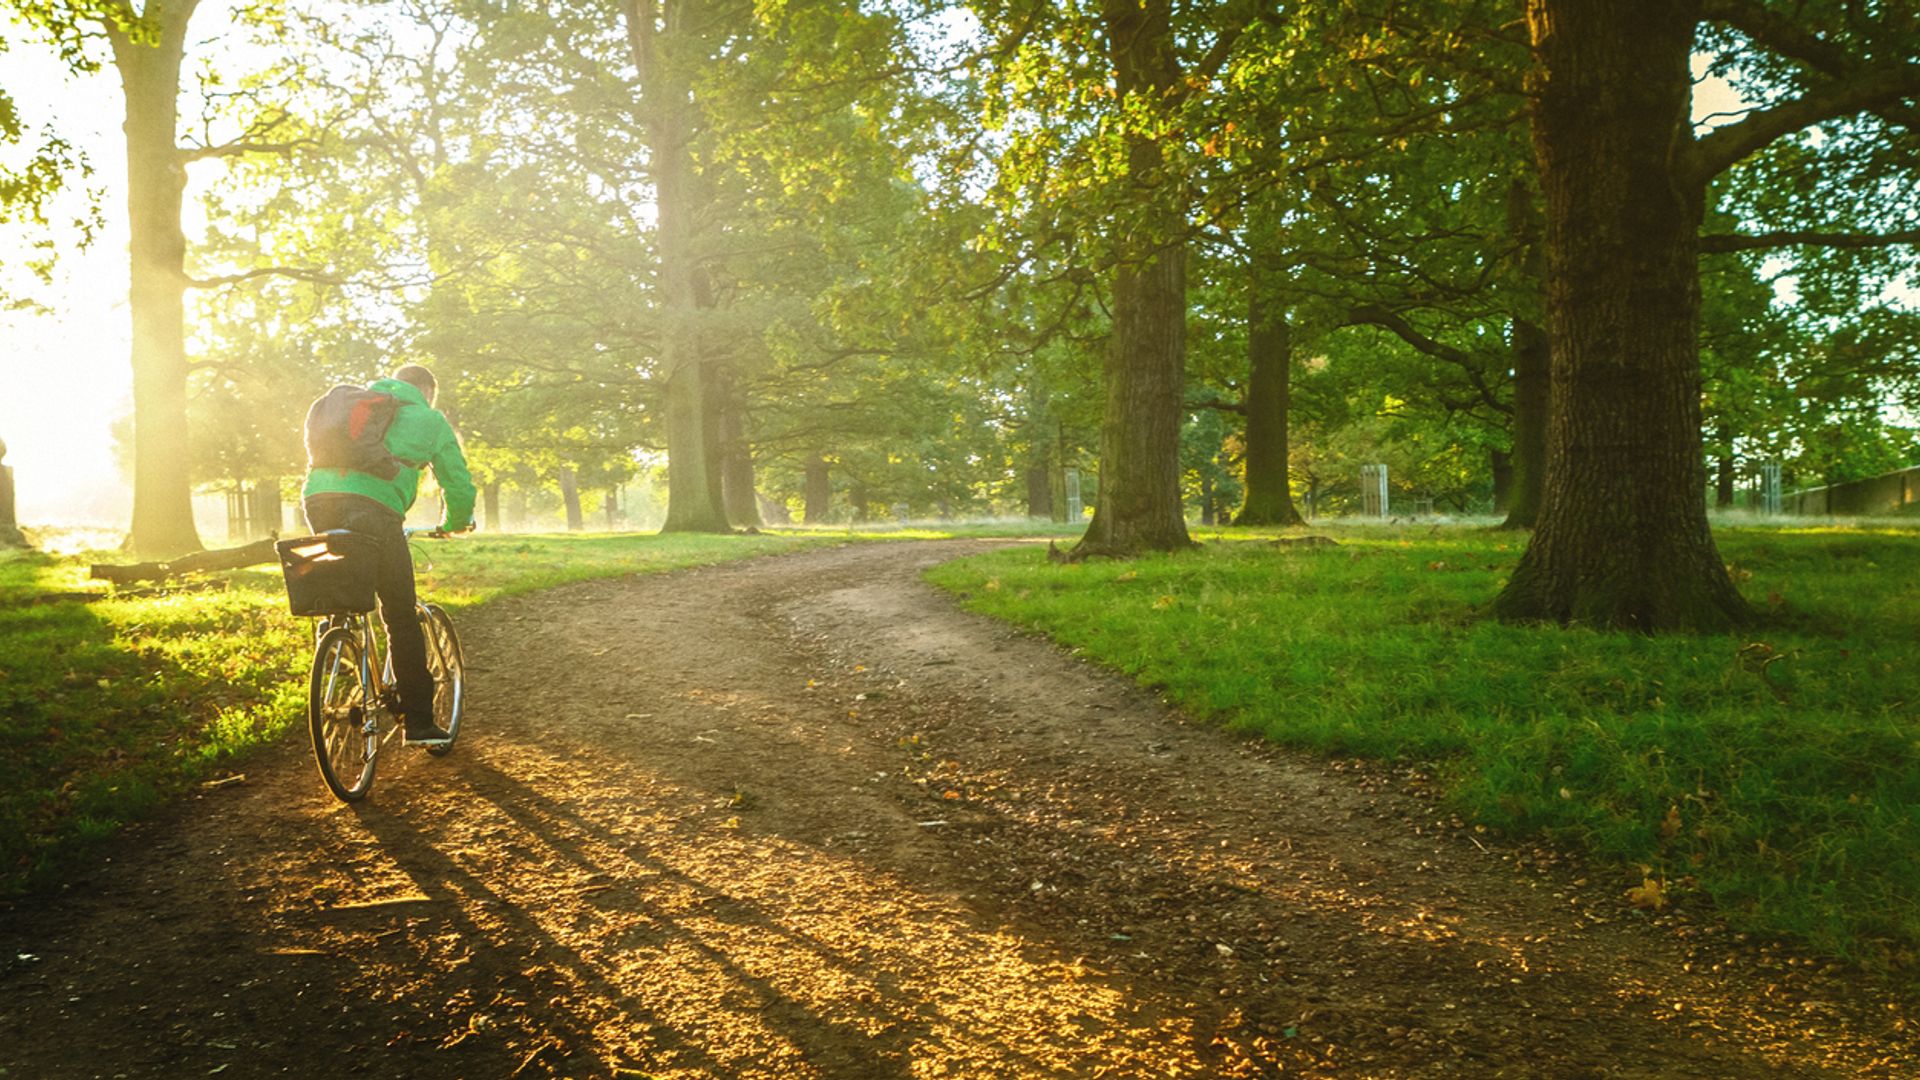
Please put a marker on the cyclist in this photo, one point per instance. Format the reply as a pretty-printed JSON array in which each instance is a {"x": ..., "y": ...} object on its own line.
[{"x": 417, "y": 436}]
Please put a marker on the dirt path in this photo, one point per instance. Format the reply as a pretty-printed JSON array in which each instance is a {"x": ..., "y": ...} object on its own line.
[{"x": 800, "y": 817}]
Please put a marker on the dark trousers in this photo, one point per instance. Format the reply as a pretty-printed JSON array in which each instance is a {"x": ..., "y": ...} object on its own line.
[{"x": 394, "y": 586}]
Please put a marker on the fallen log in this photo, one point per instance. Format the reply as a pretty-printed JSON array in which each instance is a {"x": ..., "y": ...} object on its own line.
[
  {"x": 260, "y": 551},
  {"x": 115, "y": 594}
]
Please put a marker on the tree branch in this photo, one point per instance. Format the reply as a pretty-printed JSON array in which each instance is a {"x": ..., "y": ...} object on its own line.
[
  {"x": 1776, "y": 31},
  {"x": 1724, "y": 242},
  {"x": 1714, "y": 153},
  {"x": 1375, "y": 315},
  {"x": 1784, "y": 35},
  {"x": 295, "y": 272},
  {"x": 242, "y": 147}
]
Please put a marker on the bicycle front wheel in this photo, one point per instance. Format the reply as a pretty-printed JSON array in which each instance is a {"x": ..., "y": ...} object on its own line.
[
  {"x": 340, "y": 716},
  {"x": 449, "y": 668}
]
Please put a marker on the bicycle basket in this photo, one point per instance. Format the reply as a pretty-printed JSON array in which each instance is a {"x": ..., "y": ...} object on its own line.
[{"x": 331, "y": 573}]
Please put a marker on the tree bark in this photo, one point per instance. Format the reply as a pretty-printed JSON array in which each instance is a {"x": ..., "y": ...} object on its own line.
[
  {"x": 490, "y": 499},
  {"x": 1269, "y": 498},
  {"x": 1139, "y": 504},
  {"x": 1500, "y": 462},
  {"x": 736, "y": 462},
  {"x": 570, "y": 496},
  {"x": 694, "y": 499},
  {"x": 157, "y": 249},
  {"x": 819, "y": 490},
  {"x": 1042, "y": 435},
  {"x": 1622, "y": 539},
  {"x": 517, "y": 509},
  {"x": 1039, "y": 481},
  {"x": 10, "y": 534},
  {"x": 613, "y": 506}
]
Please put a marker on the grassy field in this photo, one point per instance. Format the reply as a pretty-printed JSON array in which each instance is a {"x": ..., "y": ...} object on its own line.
[
  {"x": 1774, "y": 773},
  {"x": 108, "y": 707}
]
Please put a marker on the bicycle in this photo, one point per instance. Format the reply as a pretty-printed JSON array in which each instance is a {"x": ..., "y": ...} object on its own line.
[{"x": 353, "y": 708}]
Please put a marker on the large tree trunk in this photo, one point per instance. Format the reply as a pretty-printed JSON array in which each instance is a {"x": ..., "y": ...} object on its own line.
[
  {"x": 1139, "y": 502},
  {"x": 517, "y": 508},
  {"x": 736, "y": 461},
  {"x": 694, "y": 498},
  {"x": 1622, "y": 539},
  {"x": 10, "y": 534},
  {"x": 570, "y": 496},
  {"x": 156, "y": 176},
  {"x": 1042, "y": 434},
  {"x": 819, "y": 490},
  {"x": 490, "y": 501},
  {"x": 1039, "y": 481},
  {"x": 1269, "y": 498},
  {"x": 1500, "y": 462}
]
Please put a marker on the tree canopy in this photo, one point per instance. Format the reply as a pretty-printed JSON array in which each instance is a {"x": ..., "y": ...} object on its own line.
[{"x": 817, "y": 261}]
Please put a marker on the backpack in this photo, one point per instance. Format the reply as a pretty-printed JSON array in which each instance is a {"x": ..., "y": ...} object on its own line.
[{"x": 347, "y": 429}]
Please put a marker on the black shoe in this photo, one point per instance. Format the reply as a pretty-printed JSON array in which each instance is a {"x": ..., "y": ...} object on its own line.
[{"x": 426, "y": 733}]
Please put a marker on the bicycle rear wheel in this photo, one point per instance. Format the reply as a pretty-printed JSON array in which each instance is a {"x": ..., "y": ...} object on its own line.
[
  {"x": 449, "y": 667},
  {"x": 339, "y": 716}
]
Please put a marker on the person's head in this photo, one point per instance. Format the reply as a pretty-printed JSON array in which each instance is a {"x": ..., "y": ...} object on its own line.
[{"x": 419, "y": 378}]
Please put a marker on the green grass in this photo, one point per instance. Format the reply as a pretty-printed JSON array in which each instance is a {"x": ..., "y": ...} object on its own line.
[
  {"x": 108, "y": 708},
  {"x": 1775, "y": 773}
]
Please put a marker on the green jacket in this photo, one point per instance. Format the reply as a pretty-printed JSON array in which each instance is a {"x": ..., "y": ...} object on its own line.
[{"x": 420, "y": 436}]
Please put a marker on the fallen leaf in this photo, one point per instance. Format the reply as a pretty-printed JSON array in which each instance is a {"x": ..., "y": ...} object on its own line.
[
  {"x": 1649, "y": 895},
  {"x": 1670, "y": 825}
]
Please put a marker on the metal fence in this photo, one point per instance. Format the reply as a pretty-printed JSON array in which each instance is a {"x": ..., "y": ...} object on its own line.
[{"x": 1373, "y": 491}]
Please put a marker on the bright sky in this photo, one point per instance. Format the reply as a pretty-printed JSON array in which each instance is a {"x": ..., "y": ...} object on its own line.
[{"x": 64, "y": 376}]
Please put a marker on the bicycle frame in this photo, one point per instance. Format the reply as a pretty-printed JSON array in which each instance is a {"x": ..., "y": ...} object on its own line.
[{"x": 377, "y": 678}]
